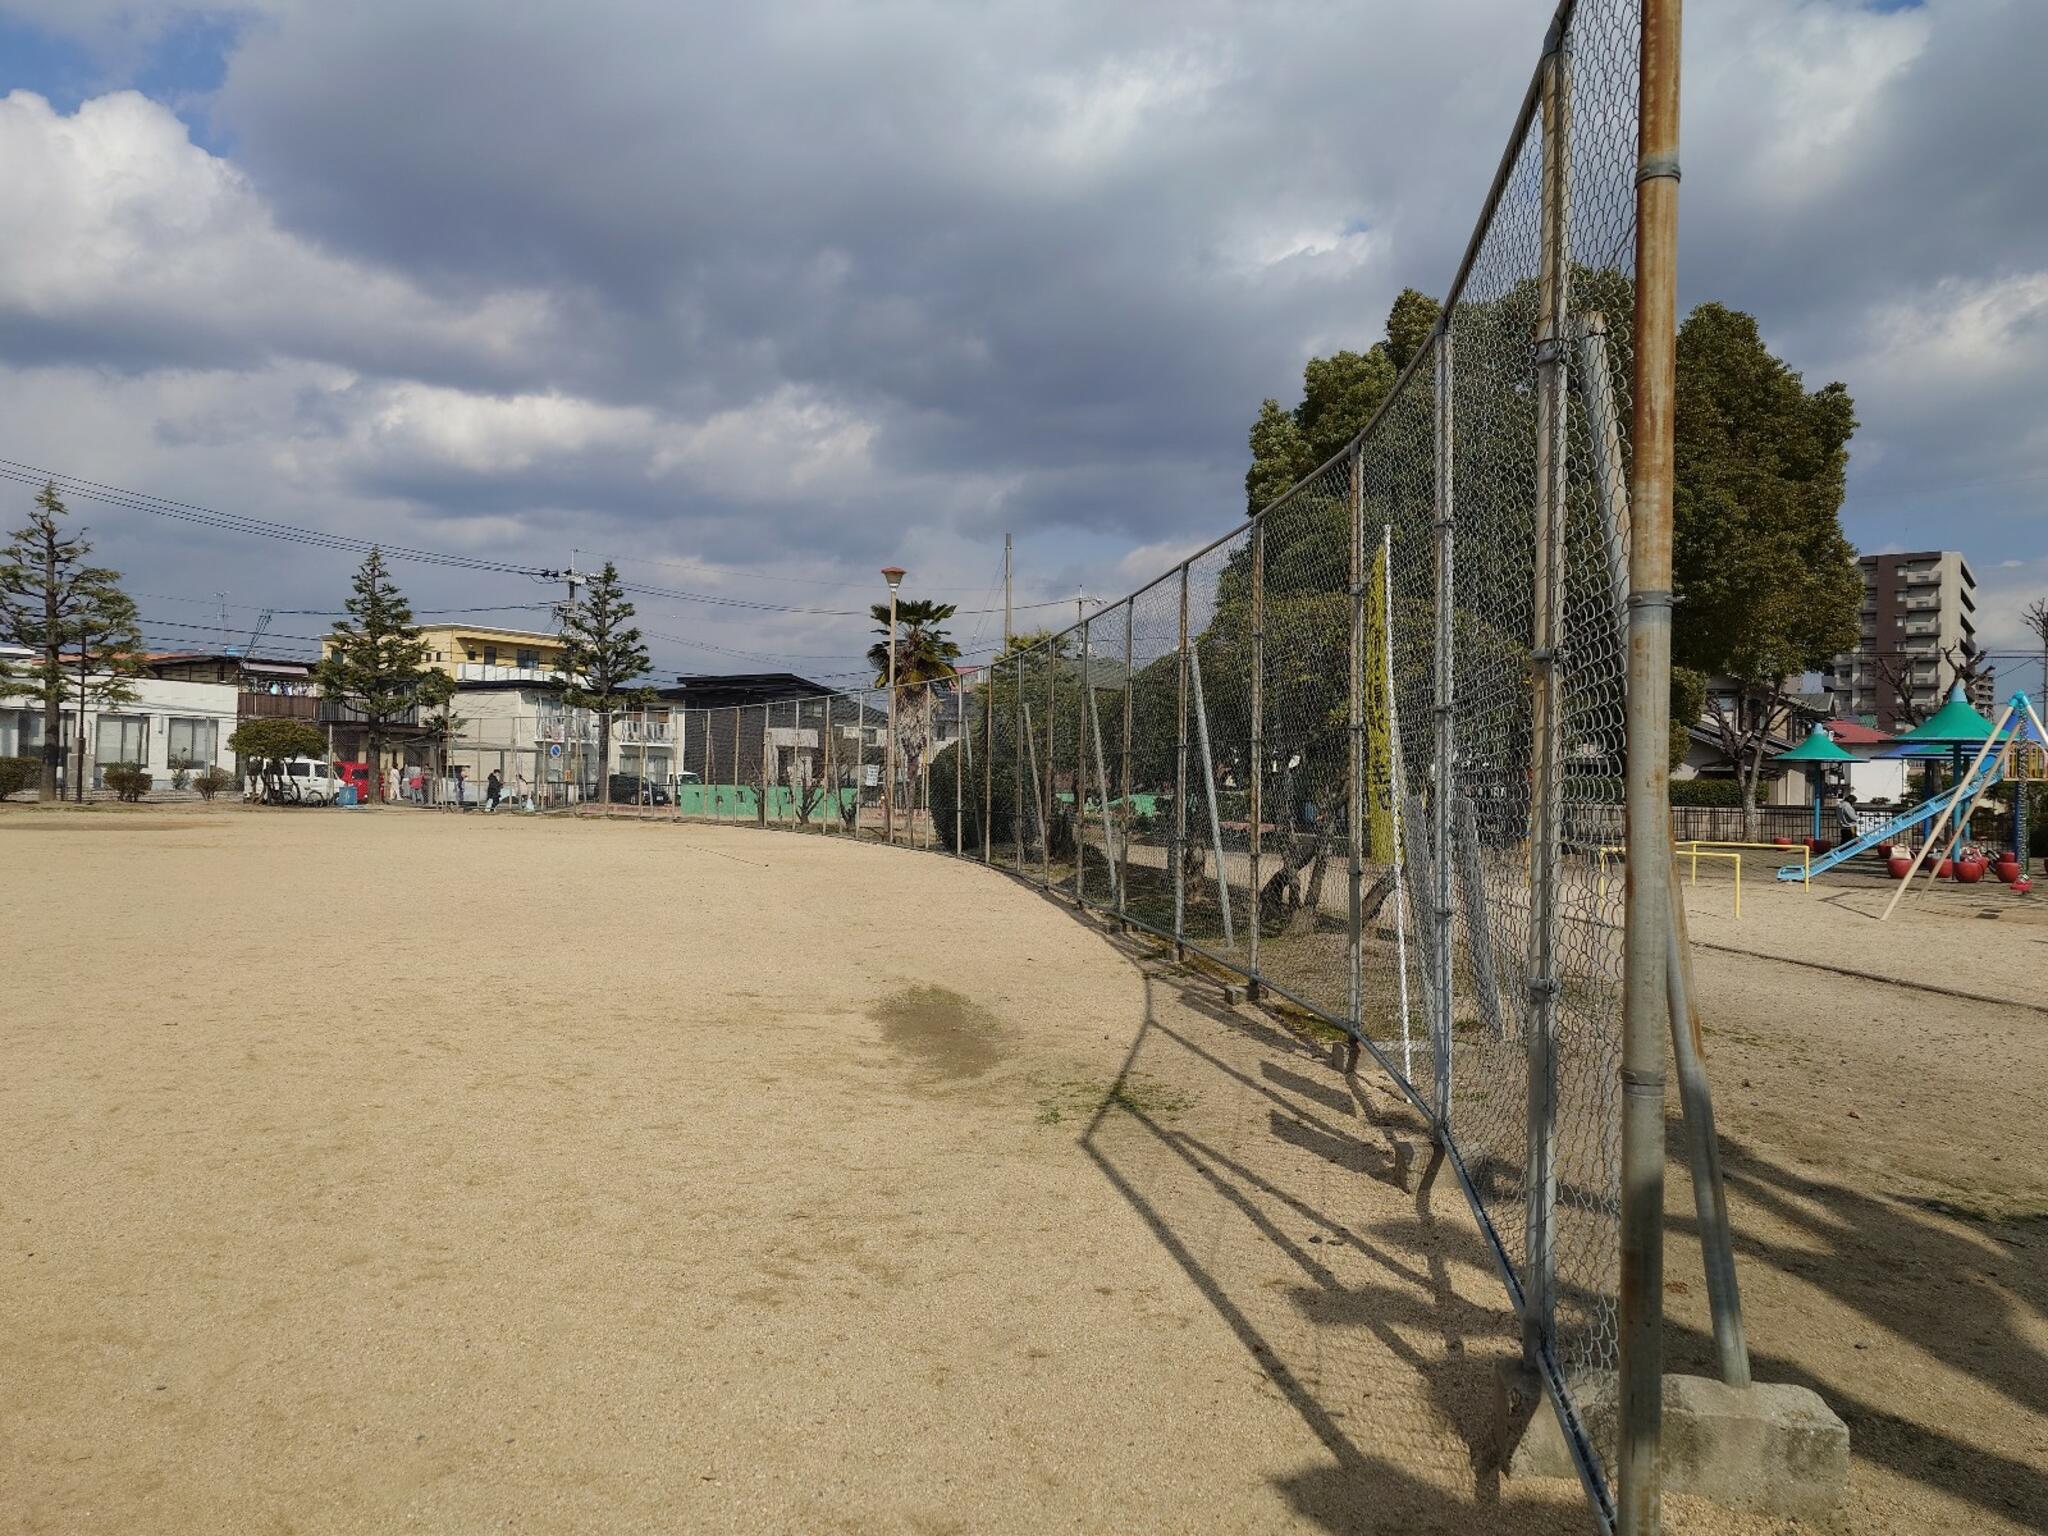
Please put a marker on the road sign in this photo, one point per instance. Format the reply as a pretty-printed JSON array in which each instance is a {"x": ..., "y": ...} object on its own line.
[{"x": 554, "y": 749}]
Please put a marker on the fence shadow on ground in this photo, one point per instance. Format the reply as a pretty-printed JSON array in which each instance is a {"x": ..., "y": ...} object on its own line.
[
  {"x": 1923, "y": 1286},
  {"x": 1309, "y": 1209}
]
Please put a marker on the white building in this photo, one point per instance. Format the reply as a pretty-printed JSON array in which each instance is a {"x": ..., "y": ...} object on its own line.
[
  {"x": 171, "y": 728},
  {"x": 527, "y": 734}
]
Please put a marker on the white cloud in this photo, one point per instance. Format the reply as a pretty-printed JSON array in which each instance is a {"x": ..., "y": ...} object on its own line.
[{"x": 139, "y": 245}]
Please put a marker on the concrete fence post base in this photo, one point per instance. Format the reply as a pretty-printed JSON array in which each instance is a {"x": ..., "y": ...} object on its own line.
[{"x": 1773, "y": 1448}]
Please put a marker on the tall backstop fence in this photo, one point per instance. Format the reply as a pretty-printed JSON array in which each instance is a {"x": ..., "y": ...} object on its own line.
[{"x": 1367, "y": 747}]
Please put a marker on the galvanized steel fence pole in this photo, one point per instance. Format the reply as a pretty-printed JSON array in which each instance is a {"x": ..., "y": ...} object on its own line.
[
  {"x": 1017, "y": 741},
  {"x": 1255, "y": 839},
  {"x": 1553, "y": 282},
  {"x": 1354, "y": 811},
  {"x": 831, "y": 767},
  {"x": 1444, "y": 744},
  {"x": 960, "y": 768},
  {"x": 1081, "y": 775},
  {"x": 1129, "y": 814},
  {"x": 1209, "y": 788},
  {"x": 1180, "y": 782},
  {"x": 988, "y": 764},
  {"x": 736, "y": 758},
  {"x": 1052, "y": 765},
  {"x": 1709, "y": 1191},
  {"x": 1103, "y": 797},
  {"x": 1647, "y": 918}
]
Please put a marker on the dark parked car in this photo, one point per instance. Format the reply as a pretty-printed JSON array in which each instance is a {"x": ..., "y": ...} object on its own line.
[{"x": 631, "y": 789}]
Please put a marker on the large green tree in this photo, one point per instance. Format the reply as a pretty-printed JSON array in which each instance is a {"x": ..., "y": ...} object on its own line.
[
  {"x": 1766, "y": 579},
  {"x": 1766, "y": 582},
  {"x": 376, "y": 662},
  {"x": 1339, "y": 395},
  {"x": 51, "y": 601},
  {"x": 602, "y": 653}
]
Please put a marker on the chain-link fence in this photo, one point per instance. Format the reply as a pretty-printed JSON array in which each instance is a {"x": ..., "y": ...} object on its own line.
[{"x": 1365, "y": 748}]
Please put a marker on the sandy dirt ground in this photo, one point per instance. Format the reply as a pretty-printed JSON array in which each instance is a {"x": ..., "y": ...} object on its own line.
[
  {"x": 392, "y": 1170},
  {"x": 1887, "y": 1157}
]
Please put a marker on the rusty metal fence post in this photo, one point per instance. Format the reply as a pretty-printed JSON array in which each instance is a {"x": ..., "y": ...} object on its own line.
[
  {"x": 1553, "y": 295},
  {"x": 1646, "y": 995}
]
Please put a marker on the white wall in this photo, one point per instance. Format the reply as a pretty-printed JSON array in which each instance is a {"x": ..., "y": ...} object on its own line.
[{"x": 157, "y": 702}]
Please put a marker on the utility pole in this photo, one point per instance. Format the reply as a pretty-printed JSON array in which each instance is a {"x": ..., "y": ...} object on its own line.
[
  {"x": 1006, "y": 594},
  {"x": 573, "y": 578},
  {"x": 893, "y": 574}
]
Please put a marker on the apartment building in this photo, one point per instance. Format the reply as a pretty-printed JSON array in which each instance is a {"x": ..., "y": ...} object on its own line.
[
  {"x": 1919, "y": 614},
  {"x": 473, "y": 653}
]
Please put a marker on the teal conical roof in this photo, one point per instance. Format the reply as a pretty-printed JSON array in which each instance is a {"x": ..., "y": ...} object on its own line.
[
  {"x": 1819, "y": 747},
  {"x": 1955, "y": 724}
]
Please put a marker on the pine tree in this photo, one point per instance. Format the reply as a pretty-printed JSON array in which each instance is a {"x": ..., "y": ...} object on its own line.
[
  {"x": 601, "y": 655},
  {"x": 50, "y": 601},
  {"x": 376, "y": 661},
  {"x": 106, "y": 655}
]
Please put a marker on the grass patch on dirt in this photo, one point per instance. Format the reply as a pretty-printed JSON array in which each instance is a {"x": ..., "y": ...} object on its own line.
[{"x": 1135, "y": 1093}]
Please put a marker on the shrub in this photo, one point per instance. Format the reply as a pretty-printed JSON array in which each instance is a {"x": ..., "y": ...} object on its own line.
[
  {"x": 1001, "y": 791},
  {"x": 212, "y": 782},
  {"x": 1722, "y": 792},
  {"x": 19, "y": 773},
  {"x": 128, "y": 781}
]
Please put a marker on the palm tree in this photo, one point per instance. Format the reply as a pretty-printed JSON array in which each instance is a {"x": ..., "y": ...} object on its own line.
[{"x": 924, "y": 655}]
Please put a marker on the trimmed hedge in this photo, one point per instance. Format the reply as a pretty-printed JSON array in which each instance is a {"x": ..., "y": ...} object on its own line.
[
  {"x": 19, "y": 773},
  {"x": 128, "y": 781},
  {"x": 1714, "y": 792}
]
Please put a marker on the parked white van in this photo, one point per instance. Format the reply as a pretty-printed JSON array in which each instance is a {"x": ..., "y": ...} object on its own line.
[{"x": 301, "y": 780}]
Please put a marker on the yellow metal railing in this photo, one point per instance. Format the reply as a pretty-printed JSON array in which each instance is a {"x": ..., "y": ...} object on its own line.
[
  {"x": 1777, "y": 849},
  {"x": 1691, "y": 851}
]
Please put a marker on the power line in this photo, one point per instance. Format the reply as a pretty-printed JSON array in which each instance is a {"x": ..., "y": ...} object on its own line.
[
  {"x": 192, "y": 513},
  {"x": 236, "y": 522}
]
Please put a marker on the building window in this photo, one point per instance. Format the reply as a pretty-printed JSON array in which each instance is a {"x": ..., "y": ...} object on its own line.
[
  {"x": 469, "y": 653},
  {"x": 21, "y": 733},
  {"x": 490, "y": 655},
  {"x": 119, "y": 739},
  {"x": 530, "y": 659},
  {"x": 192, "y": 743}
]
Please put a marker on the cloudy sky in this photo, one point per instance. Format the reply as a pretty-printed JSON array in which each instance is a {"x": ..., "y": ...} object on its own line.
[{"x": 757, "y": 298}]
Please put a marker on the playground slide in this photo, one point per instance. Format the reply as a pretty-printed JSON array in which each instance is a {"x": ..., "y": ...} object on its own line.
[{"x": 1905, "y": 821}]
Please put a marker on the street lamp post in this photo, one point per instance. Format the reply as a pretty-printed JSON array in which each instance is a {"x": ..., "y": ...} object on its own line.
[{"x": 893, "y": 574}]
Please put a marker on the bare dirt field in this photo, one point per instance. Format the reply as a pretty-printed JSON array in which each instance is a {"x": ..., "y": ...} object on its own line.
[{"x": 392, "y": 1170}]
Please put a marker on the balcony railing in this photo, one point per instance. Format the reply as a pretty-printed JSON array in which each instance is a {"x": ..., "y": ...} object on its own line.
[
  {"x": 642, "y": 732},
  {"x": 498, "y": 672},
  {"x": 253, "y": 705}
]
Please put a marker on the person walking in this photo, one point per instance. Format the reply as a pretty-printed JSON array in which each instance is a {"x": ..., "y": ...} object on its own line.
[
  {"x": 494, "y": 786},
  {"x": 1848, "y": 823}
]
